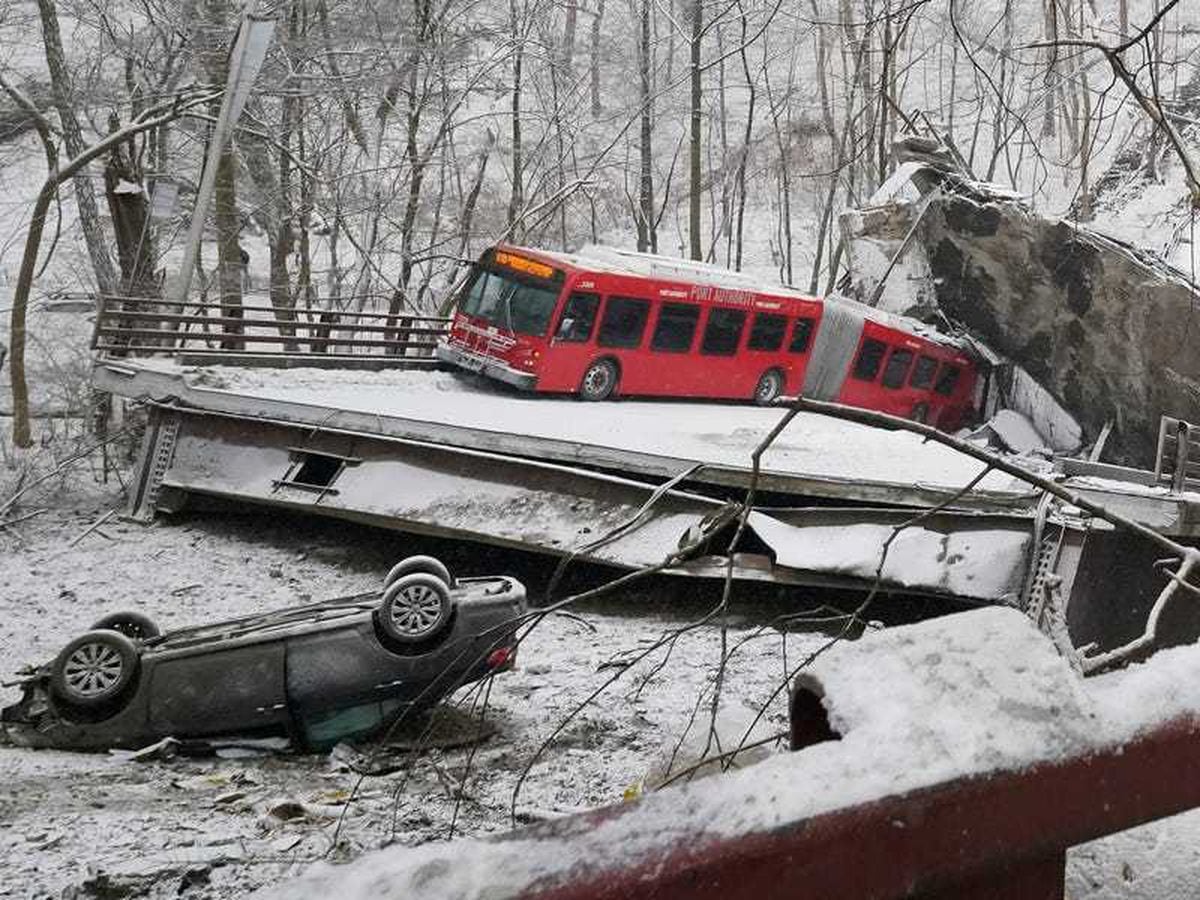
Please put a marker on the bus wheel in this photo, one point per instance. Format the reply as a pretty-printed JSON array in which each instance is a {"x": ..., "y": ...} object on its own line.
[
  {"x": 920, "y": 413},
  {"x": 769, "y": 387},
  {"x": 599, "y": 381}
]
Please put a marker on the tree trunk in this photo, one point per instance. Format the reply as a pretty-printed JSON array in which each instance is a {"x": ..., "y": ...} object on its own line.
[
  {"x": 33, "y": 238},
  {"x": 130, "y": 212},
  {"x": 745, "y": 157},
  {"x": 569, "y": 28},
  {"x": 468, "y": 215},
  {"x": 230, "y": 268},
  {"x": 64, "y": 102},
  {"x": 695, "y": 248},
  {"x": 597, "y": 108},
  {"x": 517, "y": 199},
  {"x": 213, "y": 52},
  {"x": 647, "y": 233}
]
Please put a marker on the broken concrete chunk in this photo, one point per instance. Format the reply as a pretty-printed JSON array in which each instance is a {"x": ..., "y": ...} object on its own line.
[{"x": 1101, "y": 325}]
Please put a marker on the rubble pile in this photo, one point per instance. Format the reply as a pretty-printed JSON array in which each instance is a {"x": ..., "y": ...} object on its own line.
[{"x": 1108, "y": 330}]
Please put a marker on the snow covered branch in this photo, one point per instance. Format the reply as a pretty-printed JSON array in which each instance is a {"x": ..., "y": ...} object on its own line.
[
  {"x": 152, "y": 117},
  {"x": 1187, "y": 558}
]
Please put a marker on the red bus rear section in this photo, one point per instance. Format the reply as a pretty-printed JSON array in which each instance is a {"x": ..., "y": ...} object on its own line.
[{"x": 606, "y": 322}]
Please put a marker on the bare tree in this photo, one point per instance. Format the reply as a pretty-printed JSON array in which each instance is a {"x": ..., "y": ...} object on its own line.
[{"x": 73, "y": 141}]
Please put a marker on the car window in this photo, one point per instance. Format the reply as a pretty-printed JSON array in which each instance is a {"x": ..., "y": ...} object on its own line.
[
  {"x": 922, "y": 374},
  {"x": 897, "y": 368},
  {"x": 723, "y": 332},
  {"x": 801, "y": 336},
  {"x": 578, "y": 318},
  {"x": 767, "y": 332},
  {"x": 866, "y": 366},
  {"x": 675, "y": 328},
  {"x": 623, "y": 322},
  {"x": 947, "y": 380}
]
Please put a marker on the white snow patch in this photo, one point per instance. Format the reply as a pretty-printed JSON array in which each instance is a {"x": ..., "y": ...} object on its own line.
[
  {"x": 978, "y": 563},
  {"x": 722, "y": 434},
  {"x": 991, "y": 693}
]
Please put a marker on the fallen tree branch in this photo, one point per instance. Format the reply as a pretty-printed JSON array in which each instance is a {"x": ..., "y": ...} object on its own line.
[
  {"x": 1188, "y": 557},
  {"x": 70, "y": 460}
]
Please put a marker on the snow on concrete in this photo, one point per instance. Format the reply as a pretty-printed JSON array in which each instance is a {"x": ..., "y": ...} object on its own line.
[
  {"x": 1016, "y": 433},
  {"x": 976, "y": 692},
  {"x": 722, "y": 434},
  {"x": 1165, "y": 687},
  {"x": 979, "y": 563}
]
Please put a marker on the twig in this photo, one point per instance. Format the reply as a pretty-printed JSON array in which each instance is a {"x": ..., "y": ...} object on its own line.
[
  {"x": 8, "y": 523},
  {"x": 720, "y": 757},
  {"x": 100, "y": 521},
  {"x": 1189, "y": 557},
  {"x": 70, "y": 460}
]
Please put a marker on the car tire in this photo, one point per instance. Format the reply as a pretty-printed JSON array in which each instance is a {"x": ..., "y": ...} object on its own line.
[
  {"x": 428, "y": 564},
  {"x": 134, "y": 625},
  {"x": 94, "y": 669},
  {"x": 599, "y": 381},
  {"x": 769, "y": 387},
  {"x": 415, "y": 609}
]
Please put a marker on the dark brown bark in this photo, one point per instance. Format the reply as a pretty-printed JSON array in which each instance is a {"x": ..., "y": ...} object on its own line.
[
  {"x": 696, "y": 251},
  {"x": 517, "y": 199},
  {"x": 130, "y": 212},
  {"x": 594, "y": 52},
  {"x": 647, "y": 233},
  {"x": 64, "y": 103}
]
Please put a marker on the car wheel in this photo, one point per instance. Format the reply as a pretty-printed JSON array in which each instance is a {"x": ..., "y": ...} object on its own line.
[
  {"x": 599, "y": 381},
  {"x": 415, "y": 608},
  {"x": 769, "y": 387},
  {"x": 134, "y": 625},
  {"x": 428, "y": 564},
  {"x": 94, "y": 669}
]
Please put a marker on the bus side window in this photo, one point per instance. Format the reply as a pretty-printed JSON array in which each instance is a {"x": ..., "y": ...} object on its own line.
[
  {"x": 722, "y": 332},
  {"x": 623, "y": 322},
  {"x": 866, "y": 366},
  {"x": 897, "y": 368},
  {"x": 578, "y": 317},
  {"x": 675, "y": 328},
  {"x": 767, "y": 332},
  {"x": 801, "y": 335},
  {"x": 947, "y": 380},
  {"x": 922, "y": 374}
]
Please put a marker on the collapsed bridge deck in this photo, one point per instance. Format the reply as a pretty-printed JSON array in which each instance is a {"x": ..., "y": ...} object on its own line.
[{"x": 625, "y": 483}]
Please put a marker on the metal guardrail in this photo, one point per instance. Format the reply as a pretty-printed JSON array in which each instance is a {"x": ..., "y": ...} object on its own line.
[
  {"x": 1177, "y": 462},
  {"x": 250, "y": 333}
]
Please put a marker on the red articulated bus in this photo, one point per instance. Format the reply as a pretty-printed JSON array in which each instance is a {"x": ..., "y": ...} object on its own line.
[{"x": 603, "y": 322}]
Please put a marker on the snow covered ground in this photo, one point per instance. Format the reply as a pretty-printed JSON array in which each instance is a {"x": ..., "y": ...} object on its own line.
[
  {"x": 168, "y": 826},
  {"x": 67, "y": 813}
]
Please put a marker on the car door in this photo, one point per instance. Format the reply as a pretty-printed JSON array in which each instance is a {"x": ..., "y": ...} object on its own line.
[{"x": 203, "y": 691}]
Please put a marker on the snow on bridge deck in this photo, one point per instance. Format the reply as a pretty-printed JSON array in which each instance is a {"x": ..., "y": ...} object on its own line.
[
  {"x": 815, "y": 456},
  {"x": 431, "y": 452}
]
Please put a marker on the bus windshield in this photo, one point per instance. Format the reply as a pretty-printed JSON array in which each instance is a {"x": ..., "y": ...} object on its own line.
[{"x": 516, "y": 305}]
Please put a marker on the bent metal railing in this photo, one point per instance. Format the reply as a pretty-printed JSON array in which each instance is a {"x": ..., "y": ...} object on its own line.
[
  {"x": 135, "y": 326},
  {"x": 1177, "y": 462}
]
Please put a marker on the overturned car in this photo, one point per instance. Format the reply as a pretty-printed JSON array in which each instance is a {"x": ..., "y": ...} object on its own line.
[{"x": 315, "y": 674}]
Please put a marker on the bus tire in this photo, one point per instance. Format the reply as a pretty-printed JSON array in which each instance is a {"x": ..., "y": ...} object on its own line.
[
  {"x": 920, "y": 413},
  {"x": 599, "y": 382},
  {"x": 769, "y": 387}
]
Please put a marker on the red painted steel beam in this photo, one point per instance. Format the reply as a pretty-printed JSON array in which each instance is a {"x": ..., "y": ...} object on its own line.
[{"x": 1001, "y": 835}]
